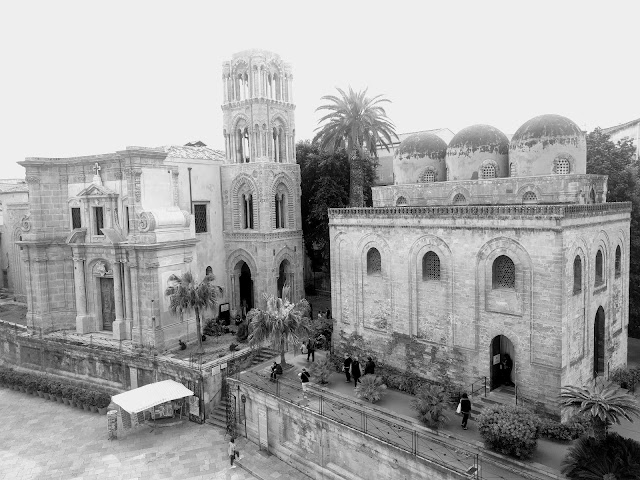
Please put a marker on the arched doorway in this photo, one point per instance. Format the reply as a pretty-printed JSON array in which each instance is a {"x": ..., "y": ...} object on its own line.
[
  {"x": 503, "y": 362},
  {"x": 598, "y": 343},
  {"x": 246, "y": 287},
  {"x": 283, "y": 276}
]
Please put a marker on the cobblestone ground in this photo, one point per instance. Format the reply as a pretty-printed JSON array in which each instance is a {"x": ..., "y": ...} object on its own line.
[{"x": 41, "y": 439}]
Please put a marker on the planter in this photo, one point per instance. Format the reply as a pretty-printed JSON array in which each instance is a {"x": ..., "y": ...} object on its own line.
[
  {"x": 40, "y": 393},
  {"x": 86, "y": 407},
  {"x": 46, "y": 396},
  {"x": 66, "y": 401},
  {"x": 93, "y": 408},
  {"x": 103, "y": 410}
]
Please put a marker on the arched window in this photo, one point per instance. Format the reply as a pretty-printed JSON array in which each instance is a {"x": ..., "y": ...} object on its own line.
[
  {"x": 428, "y": 176},
  {"x": 459, "y": 199},
  {"x": 504, "y": 273},
  {"x": 401, "y": 202},
  {"x": 562, "y": 166},
  {"x": 447, "y": 173},
  {"x": 489, "y": 171},
  {"x": 618, "y": 261},
  {"x": 208, "y": 271},
  {"x": 592, "y": 196},
  {"x": 529, "y": 197},
  {"x": 374, "y": 262},
  {"x": 431, "y": 266},
  {"x": 577, "y": 274},
  {"x": 513, "y": 170},
  {"x": 281, "y": 211},
  {"x": 599, "y": 269},
  {"x": 247, "y": 211}
]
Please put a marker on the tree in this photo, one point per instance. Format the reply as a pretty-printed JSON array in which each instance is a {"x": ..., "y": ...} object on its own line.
[
  {"x": 604, "y": 404},
  {"x": 615, "y": 457},
  {"x": 325, "y": 184},
  {"x": 281, "y": 322},
  {"x": 185, "y": 293},
  {"x": 431, "y": 402},
  {"x": 360, "y": 125},
  {"x": 617, "y": 161}
]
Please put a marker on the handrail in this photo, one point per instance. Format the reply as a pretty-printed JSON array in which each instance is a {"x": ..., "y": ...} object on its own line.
[{"x": 482, "y": 386}]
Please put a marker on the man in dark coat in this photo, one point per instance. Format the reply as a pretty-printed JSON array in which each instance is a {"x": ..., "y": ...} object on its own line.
[
  {"x": 465, "y": 409},
  {"x": 369, "y": 367},
  {"x": 311, "y": 349},
  {"x": 346, "y": 368},
  {"x": 355, "y": 371}
]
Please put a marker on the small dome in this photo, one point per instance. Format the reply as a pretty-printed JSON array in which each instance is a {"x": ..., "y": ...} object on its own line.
[
  {"x": 423, "y": 144},
  {"x": 420, "y": 158},
  {"x": 548, "y": 145},
  {"x": 478, "y": 152}
]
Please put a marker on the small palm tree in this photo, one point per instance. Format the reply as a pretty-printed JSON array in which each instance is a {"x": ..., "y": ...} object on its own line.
[
  {"x": 185, "y": 293},
  {"x": 609, "y": 459},
  {"x": 281, "y": 322},
  {"x": 605, "y": 404},
  {"x": 370, "y": 388},
  {"x": 359, "y": 124},
  {"x": 431, "y": 402}
]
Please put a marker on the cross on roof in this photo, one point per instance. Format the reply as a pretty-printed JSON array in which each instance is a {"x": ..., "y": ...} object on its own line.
[{"x": 96, "y": 168}]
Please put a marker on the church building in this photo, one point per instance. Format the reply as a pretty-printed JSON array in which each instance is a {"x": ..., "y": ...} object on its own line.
[
  {"x": 103, "y": 233},
  {"x": 483, "y": 248}
]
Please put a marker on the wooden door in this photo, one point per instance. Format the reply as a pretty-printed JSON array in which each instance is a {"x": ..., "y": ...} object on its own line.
[{"x": 108, "y": 303}]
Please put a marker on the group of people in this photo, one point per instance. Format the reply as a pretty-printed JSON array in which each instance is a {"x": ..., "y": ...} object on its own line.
[{"x": 351, "y": 368}]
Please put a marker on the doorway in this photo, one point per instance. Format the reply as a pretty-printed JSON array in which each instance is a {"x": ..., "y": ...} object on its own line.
[
  {"x": 246, "y": 288},
  {"x": 283, "y": 277},
  {"x": 598, "y": 343},
  {"x": 503, "y": 361},
  {"x": 107, "y": 301}
]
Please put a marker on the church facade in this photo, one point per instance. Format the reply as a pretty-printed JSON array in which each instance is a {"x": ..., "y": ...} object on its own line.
[
  {"x": 105, "y": 232},
  {"x": 491, "y": 252}
]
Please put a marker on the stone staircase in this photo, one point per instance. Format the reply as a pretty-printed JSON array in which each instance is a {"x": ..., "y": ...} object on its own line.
[
  {"x": 218, "y": 416},
  {"x": 503, "y": 395}
]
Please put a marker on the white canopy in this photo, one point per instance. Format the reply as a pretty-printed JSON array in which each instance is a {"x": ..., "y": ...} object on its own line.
[{"x": 142, "y": 398}]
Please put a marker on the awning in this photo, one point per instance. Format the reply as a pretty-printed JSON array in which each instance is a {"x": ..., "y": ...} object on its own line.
[{"x": 142, "y": 398}]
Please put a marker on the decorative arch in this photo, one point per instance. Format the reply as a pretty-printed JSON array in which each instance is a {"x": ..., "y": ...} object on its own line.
[
  {"x": 577, "y": 325},
  {"x": 341, "y": 255},
  {"x": 563, "y": 164},
  {"x": 240, "y": 120},
  {"x": 428, "y": 175},
  {"x": 283, "y": 201},
  {"x": 286, "y": 254},
  {"x": 529, "y": 188},
  {"x": 458, "y": 190},
  {"x": 401, "y": 201},
  {"x": 373, "y": 290},
  {"x": 279, "y": 120},
  {"x": 233, "y": 263},
  {"x": 245, "y": 185},
  {"x": 487, "y": 166},
  {"x": 601, "y": 243}
]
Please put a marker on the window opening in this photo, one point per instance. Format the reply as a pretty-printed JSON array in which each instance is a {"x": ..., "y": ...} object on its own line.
[
  {"x": 562, "y": 166},
  {"x": 504, "y": 273},
  {"x": 618, "y": 261},
  {"x": 99, "y": 215},
  {"x": 489, "y": 171},
  {"x": 374, "y": 262},
  {"x": 127, "y": 218},
  {"x": 599, "y": 276},
  {"x": 529, "y": 197},
  {"x": 200, "y": 217},
  {"x": 577, "y": 274},
  {"x": 459, "y": 199},
  {"x": 208, "y": 271},
  {"x": 401, "y": 202},
  {"x": 431, "y": 266},
  {"x": 513, "y": 170},
  {"x": 76, "y": 218}
]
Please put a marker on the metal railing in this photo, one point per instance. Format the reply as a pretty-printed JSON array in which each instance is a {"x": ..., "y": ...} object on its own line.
[
  {"x": 398, "y": 433},
  {"x": 478, "y": 386}
]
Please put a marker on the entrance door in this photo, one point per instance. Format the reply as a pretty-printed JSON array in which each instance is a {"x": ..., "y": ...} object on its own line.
[
  {"x": 246, "y": 286},
  {"x": 502, "y": 361},
  {"x": 598, "y": 343},
  {"x": 283, "y": 277},
  {"x": 108, "y": 303}
]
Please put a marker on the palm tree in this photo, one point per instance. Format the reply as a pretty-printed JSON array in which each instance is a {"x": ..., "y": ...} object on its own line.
[
  {"x": 431, "y": 402},
  {"x": 185, "y": 293},
  {"x": 279, "y": 323},
  {"x": 359, "y": 124},
  {"x": 605, "y": 404},
  {"x": 591, "y": 459}
]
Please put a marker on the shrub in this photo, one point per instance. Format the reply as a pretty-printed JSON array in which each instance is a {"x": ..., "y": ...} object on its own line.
[
  {"x": 43, "y": 384},
  {"x": 611, "y": 457},
  {"x": 103, "y": 400},
  {"x": 77, "y": 395},
  {"x": 371, "y": 388},
  {"x": 510, "y": 430},
  {"x": 213, "y": 328},
  {"x": 55, "y": 389},
  {"x": 92, "y": 397},
  {"x": 232, "y": 347},
  {"x": 626, "y": 378},
  {"x": 67, "y": 391},
  {"x": 431, "y": 402},
  {"x": 30, "y": 382},
  {"x": 322, "y": 369},
  {"x": 562, "y": 432},
  {"x": 243, "y": 332}
]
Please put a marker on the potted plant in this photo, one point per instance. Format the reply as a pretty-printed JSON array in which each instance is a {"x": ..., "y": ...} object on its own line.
[
  {"x": 102, "y": 402},
  {"x": 67, "y": 392},
  {"x": 92, "y": 400},
  {"x": 54, "y": 391},
  {"x": 44, "y": 387},
  {"x": 77, "y": 396},
  {"x": 31, "y": 384}
]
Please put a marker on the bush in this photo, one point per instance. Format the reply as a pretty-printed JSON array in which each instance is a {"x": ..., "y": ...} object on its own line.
[
  {"x": 626, "y": 378},
  {"x": 510, "y": 430},
  {"x": 561, "y": 432},
  {"x": 43, "y": 384},
  {"x": 371, "y": 388},
  {"x": 78, "y": 395},
  {"x": 67, "y": 391},
  {"x": 243, "y": 332},
  {"x": 103, "y": 400},
  {"x": 431, "y": 402},
  {"x": 612, "y": 457},
  {"x": 55, "y": 389},
  {"x": 213, "y": 328},
  {"x": 30, "y": 382},
  {"x": 322, "y": 369}
]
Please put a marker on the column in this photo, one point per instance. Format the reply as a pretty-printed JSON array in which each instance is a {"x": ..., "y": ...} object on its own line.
[
  {"x": 119, "y": 331},
  {"x": 291, "y": 89},
  {"x": 286, "y": 147},
  {"x": 277, "y": 149},
  {"x": 83, "y": 321},
  {"x": 128, "y": 320},
  {"x": 137, "y": 326}
]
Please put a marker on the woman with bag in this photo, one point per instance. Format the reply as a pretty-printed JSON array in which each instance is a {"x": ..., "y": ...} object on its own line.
[
  {"x": 233, "y": 453},
  {"x": 464, "y": 407}
]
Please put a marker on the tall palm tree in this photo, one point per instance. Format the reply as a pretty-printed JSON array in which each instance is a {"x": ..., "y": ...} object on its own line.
[
  {"x": 279, "y": 323},
  {"x": 185, "y": 293},
  {"x": 604, "y": 403},
  {"x": 360, "y": 125}
]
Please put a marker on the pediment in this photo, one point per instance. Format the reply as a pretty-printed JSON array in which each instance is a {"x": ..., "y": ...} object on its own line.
[
  {"x": 78, "y": 235},
  {"x": 94, "y": 190}
]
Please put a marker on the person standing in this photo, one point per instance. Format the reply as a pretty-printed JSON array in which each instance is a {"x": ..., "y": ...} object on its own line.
[
  {"x": 311, "y": 349},
  {"x": 276, "y": 369},
  {"x": 232, "y": 452},
  {"x": 465, "y": 409},
  {"x": 304, "y": 380},
  {"x": 346, "y": 366},
  {"x": 355, "y": 371},
  {"x": 369, "y": 367}
]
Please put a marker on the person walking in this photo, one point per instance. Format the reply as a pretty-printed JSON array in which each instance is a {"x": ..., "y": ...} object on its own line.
[
  {"x": 369, "y": 367},
  {"x": 311, "y": 349},
  {"x": 465, "y": 409},
  {"x": 304, "y": 380},
  {"x": 346, "y": 366},
  {"x": 276, "y": 369},
  {"x": 355, "y": 371},
  {"x": 232, "y": 452}
]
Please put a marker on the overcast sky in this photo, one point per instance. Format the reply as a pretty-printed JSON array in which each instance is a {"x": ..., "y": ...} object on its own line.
[{"x": 82, "y": 78}]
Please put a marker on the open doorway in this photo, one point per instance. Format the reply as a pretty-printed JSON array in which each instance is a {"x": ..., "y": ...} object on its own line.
[
  {"x": 246, "y": 288},
  {"x": 503, "y": 359},
  {"x": 283, "y": 276}
]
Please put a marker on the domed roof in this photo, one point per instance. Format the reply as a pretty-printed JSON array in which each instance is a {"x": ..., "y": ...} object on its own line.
[
  {"x": 480, "y": 137},
  {"x": 546, "y": 129},
  {"x": 423, "y": 144}
]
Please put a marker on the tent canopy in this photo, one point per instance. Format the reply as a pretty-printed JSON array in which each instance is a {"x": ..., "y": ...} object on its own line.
[{"x": 142, "y": 398}]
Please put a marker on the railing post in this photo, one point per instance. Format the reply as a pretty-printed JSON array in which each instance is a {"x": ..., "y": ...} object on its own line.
[
  {"x": 321, "y": 406},
  {"x": 414, "y": 440},
  {"x": 485, "y": 386},
  {"x": 363, "y": 420}
]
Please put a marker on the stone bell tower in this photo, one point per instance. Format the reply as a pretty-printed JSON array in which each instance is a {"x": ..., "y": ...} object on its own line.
[{"x": 260, "y": 180}]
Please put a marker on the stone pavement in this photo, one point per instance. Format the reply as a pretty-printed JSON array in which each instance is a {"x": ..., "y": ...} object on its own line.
[{"x": 40, "y": 439}]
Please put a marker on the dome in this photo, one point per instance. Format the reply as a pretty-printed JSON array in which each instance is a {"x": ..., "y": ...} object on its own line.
[
  {"x": 547, "y": 145},
  {"x": 420, "y": 158},
  {"x": 478, "y": 152}
]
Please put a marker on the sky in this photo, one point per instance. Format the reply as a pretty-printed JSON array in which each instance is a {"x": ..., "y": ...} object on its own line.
[{"x": 86, "y": 77}]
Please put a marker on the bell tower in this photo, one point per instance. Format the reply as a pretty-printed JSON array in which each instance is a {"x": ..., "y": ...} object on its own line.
[{"x": 261, "y": 180}]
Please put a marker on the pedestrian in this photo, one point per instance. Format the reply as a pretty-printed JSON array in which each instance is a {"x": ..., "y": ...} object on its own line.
[
  {"x": 506, "y": 367},
  {"x": 465, "y": 409},
  {"x": 355, "y": 371},
  {"x": 346, "y": 366},
  {"x": 276, "y": 369},
  {"x": 233, "y": 453},
  {"x": 311, "y": 350},
  {"x": 304, "y": 380},
  {"x": 369, "y": 367},
  {"x": 328, "y": 314}
]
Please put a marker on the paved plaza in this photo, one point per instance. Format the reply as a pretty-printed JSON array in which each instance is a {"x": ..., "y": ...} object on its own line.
[{"x": 41, "y": 439}]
